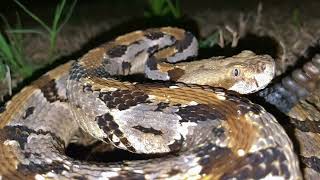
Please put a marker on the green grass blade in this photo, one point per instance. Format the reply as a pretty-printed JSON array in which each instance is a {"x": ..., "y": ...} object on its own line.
[
  {"x": 11, "y": 53},
  {"x": 2, "y": 71},
  {"x": 16, "y": 43},
  {"x": 7, "y": 25},
  {"x": 17, "y": 37},
  {"x": 8, "y": 58},
  {"x": 4, "y": 44},
  {"x": 11, "y": 43},
  {"x": 165, "y": 11},
  {"x": 157, "y": 7},
  {"x": 5, "y": 48},
  {"x": 67, "y": 17},
  {"x": 160, "y": 6},
  {"x": 175, "y": 10},
  {"x": 57, "y": 15},
  {"x": 25, "y": 31},
  {"x": 36, "y": 18},
  {"x": 178, "y": 9},
  {"x": 296, "y": 18}
]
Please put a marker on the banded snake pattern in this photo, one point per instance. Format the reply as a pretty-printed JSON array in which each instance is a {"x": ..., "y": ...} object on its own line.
[{"x": 197, "y": 128}]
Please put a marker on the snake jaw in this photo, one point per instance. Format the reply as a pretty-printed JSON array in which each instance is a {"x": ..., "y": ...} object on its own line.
[{"x": 262, "y": 82}]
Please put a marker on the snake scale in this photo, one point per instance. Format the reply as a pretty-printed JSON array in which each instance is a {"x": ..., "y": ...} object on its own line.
[{"x": 196, "y": 128}]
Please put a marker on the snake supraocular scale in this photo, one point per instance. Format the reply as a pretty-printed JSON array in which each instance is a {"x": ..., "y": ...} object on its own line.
[{"x": 201, "y": 131}]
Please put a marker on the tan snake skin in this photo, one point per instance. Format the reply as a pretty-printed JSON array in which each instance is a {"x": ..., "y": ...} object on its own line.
[{"x": 196, "y": 131}]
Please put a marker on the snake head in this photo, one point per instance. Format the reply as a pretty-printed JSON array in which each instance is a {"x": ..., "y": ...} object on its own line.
[
  {"x": 244, "y": 73},
  {"x": 250, "y": 72}
]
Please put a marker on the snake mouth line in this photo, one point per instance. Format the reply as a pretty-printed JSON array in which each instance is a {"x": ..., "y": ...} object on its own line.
[{"x": 256, "y": 82}]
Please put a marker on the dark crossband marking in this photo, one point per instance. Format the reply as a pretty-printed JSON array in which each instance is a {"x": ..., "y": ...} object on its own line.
[
  {"x": 126, "y": 66},
  {"x": 161, "y": 106},
  {"x": 312, "y": 162},
  {"x": 200, "y": 112},
  {"x": 153, "y": 35},
  {"x": 21, "y": 134},
  {"x": 99, "y": 72},
  {"x": 218, "y": 131},
  {"x": 175, "y": 73},
  {"x": 117, "y": 51},
  {"x": 261, "y": 164},
  {"x": 307, "y": 125},
  {"x": 176, "y": 145},
  {"x": 111, "y": 128},
  {"x": 28, "y": 112},
  {"x": 77, "y": 72},
  {"x": 55, "y": 166},
  {"x": 50, "y": 91},
  {"x": 2, "y": 108},
  {"x": 148, "y": 130},
  {"x": 182, "y": 45},
  {"x": 152, "y": 63},
  {"x": 123, "y": 99},
  {"x": 152, "y": 49}
]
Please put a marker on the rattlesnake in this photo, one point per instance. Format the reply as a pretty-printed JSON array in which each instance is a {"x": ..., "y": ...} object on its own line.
[{"x": 196, "y": 130}]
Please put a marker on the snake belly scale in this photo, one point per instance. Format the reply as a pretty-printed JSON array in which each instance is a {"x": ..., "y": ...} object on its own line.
[{"x": 200, "y": 131}]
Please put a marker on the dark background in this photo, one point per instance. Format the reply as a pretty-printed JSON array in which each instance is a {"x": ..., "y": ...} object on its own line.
[{"x": 104, "y": 9}]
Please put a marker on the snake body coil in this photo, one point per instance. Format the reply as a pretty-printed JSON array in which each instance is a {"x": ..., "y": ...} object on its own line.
[
  {"x": 199, "y": 131},
  {"x": 294, "y": 87}
]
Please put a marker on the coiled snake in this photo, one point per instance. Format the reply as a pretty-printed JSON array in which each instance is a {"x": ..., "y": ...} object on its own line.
[{"x": 196, "y": 130}]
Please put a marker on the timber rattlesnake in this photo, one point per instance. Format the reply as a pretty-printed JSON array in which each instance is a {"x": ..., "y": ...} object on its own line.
[{"x": 199, "y": 131}]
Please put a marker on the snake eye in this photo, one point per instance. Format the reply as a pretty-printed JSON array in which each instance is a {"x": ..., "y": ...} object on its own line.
[{"x": 236, "y": 72}]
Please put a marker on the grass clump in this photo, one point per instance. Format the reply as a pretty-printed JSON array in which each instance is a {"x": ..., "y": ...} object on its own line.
[
  {"x": 11, "y": 52},
  {"x": 11, "y": 40},
  {"x": 61, "y": 15}
]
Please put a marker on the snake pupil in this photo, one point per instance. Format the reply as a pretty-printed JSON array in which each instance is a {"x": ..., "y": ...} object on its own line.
[{"x": 236, "y": 72}]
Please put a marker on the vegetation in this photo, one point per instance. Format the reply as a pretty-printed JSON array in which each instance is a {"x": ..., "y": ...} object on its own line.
[
  {"x": 11, "y": 52},
  {"x": 209, "y": 41},
  {"x": 61, "y": 15},
  {"x": 11, "y": 42},
  {"x": 296, "y": 19},
  {"x": 161, "y": 8}
]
